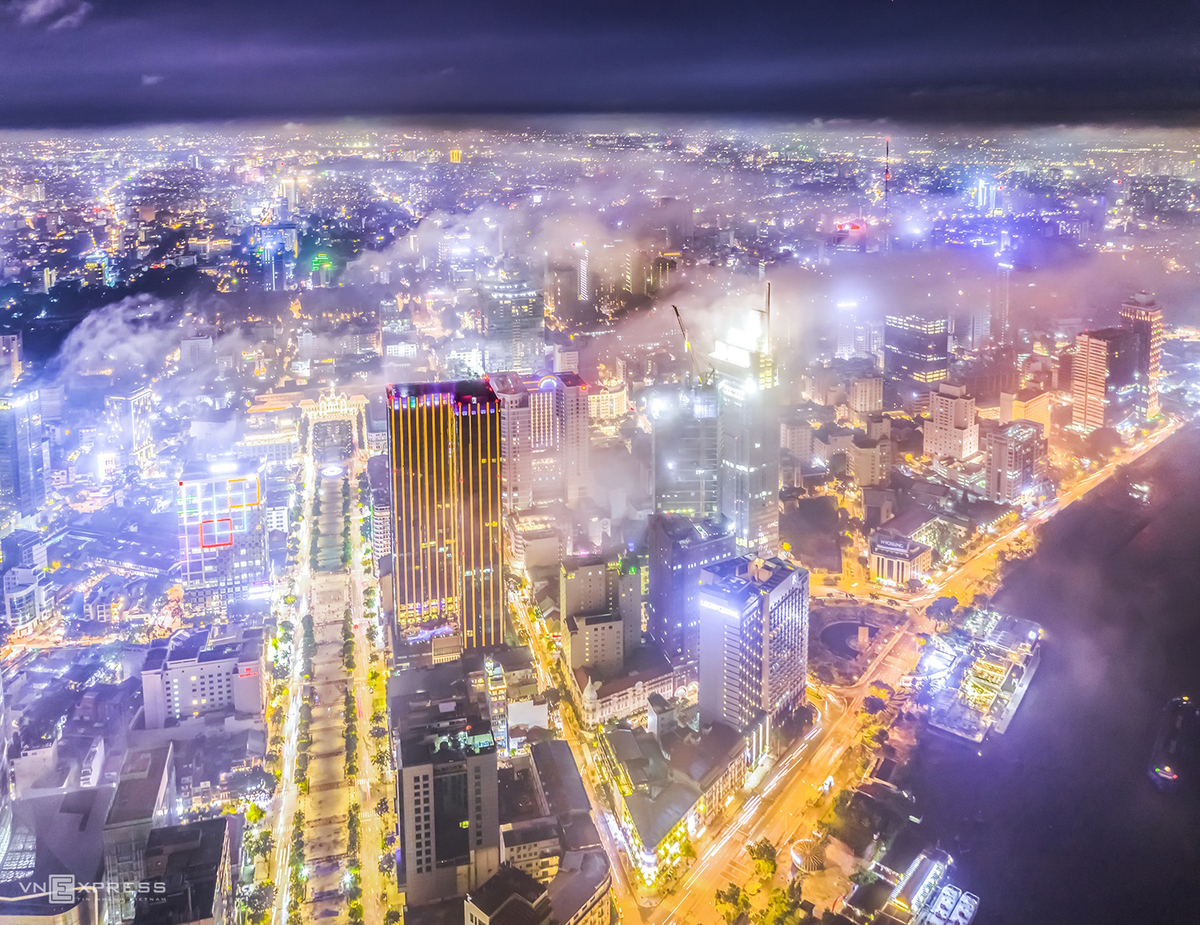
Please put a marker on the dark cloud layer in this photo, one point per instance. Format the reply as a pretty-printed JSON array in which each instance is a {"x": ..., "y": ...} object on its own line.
[{"x": 71, "y": 62}]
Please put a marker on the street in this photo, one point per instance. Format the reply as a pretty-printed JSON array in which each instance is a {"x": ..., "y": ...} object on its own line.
[
  {"x": 330, "y": 592},
  {"x": 779, "y": 807}
]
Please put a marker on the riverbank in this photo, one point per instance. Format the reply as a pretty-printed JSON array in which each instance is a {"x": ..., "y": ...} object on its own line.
[{"x": 1056, "y": 820}]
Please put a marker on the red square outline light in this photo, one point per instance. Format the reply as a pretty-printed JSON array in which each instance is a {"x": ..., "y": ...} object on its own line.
[{"x": 219, "y": 520}]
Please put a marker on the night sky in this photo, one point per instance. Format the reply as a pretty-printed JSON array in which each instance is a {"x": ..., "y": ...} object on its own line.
[{"x": 102, "y": 62}]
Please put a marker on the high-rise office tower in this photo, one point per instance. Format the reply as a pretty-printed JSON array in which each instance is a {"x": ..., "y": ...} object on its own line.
[
  {"x": 289, "y": 193},
  {"x": 847, "y": 340},
  {"x": 916, "y": 349},
  {"x": 585, "y": 281},
  {"x": 12, "y": 358},
  {"x": 679, "y": 550},
  {"x": 222, "y": 539},
  {"x": 562, "y": 286},
  {"x": 447, "y": 785},
  {"x": 753, "y": 640},
  {"x": 1015, "y": 456},
  {"x": 662, "y": 270},
  {"x": 1142, "y": 314},
  {"x": 730, "y": 669},
  {"x": 1105, "y": 381},
  {"x": 636, "y": 272},
  {"x": 444, "y": 440},
  {"x": 687, "y": 451},
  {"x": 856, "y": 334},
  {"x": 952, "y": 429},
  {"x": 22, "y": 453},
  {"x": 515, "y": 324},
  {"x": 1001, "y": 331},
  {"x": 128, "y": 415},
  {"x": 745, "y": 378},
  {"x": 971, "y": 327},
  {"x": 545, "y": 443}
]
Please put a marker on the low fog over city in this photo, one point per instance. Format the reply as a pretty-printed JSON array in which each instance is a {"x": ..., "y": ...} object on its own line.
[{"x": 599, "y": 519}]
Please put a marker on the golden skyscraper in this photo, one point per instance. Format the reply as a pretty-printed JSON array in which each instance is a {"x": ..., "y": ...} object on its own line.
[{"x": 444, "y": 440}]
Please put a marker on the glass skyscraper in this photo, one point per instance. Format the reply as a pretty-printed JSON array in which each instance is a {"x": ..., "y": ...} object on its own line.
[
  {"x": 515, "y": 319},
  {"x": 22, "y": 460},
  {"x": 916, "y": 348}
]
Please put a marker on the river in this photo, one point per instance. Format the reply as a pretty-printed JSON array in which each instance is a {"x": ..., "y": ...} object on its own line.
[{"x": 1057, "y": 821}]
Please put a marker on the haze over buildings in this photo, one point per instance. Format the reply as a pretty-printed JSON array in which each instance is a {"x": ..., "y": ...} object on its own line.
[{"x": 517, "y": 521}]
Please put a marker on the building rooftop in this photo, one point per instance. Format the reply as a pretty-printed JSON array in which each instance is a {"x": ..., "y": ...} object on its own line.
[
  {"x": 655, "y": 816},
  {"x": 141, "y": 783},
  {"x": 187, "y": 860},
  {"x": 896, "y": 546},
  {"x": 510, "y": 897},
  {"x": 908, "y": 522},
  {"x": 560, "y": 779},
  {"x": 580, "y": 875},
  {"x": 435, "y": 717},
  {"x": 467, "y": 391},
  {"x": 684, "y": 531},
  {"x": 520, "y": 801},
  {"x": 535, "y": 830},
  {"x": 244, "y": 642},
  {"x": 641, "y": 664},
  {"x": 54, "y": 835},
  {"x": 703, "y": 759}
]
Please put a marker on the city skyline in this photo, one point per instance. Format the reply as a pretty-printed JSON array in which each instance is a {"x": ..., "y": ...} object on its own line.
[{"x": 697, "y": 519}]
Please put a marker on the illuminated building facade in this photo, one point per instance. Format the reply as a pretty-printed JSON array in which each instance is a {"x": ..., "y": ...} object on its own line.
[
  {"x": 687, "y": 452},
  {"x": 896, "y": 560},
  {"x": 544, "y": 440},
  {"x": 129, "y": 414},
  {"x": 865, "y": 398},
  {"x": 222, "y": 538},
  {"x": 916, "y": 349},
  {"x": 585, "y": 288},
  {"x": 22, "y": 455},
  {"x": 731, "y": 649},
  {"x": 1106, "y": 381},
  {"x": 753, "y": 640},
  {"x": 12, "y": 358},
  {"x": 1142, "y": 315},
  {"x": 212, "y": 670},
  {"x": 515, "y": 324},
  {"x": 952, "y": 430},
  {"x": 1015, "y": 456},
  {"x": 445, "y": 446},
  {"x": 447, "y": 788},
  {"x": 679, "y": 550},
  {"x": 749, "y": 438},
  {"x": 1026, "y": 405},
  {"x": 562, "y": 286}
]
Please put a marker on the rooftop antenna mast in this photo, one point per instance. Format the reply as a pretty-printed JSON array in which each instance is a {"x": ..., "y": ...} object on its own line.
[{"x": 887, "y": 177}]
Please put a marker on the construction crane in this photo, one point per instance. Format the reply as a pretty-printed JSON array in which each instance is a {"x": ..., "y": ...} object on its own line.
[{"x": 699, "y": 372}]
